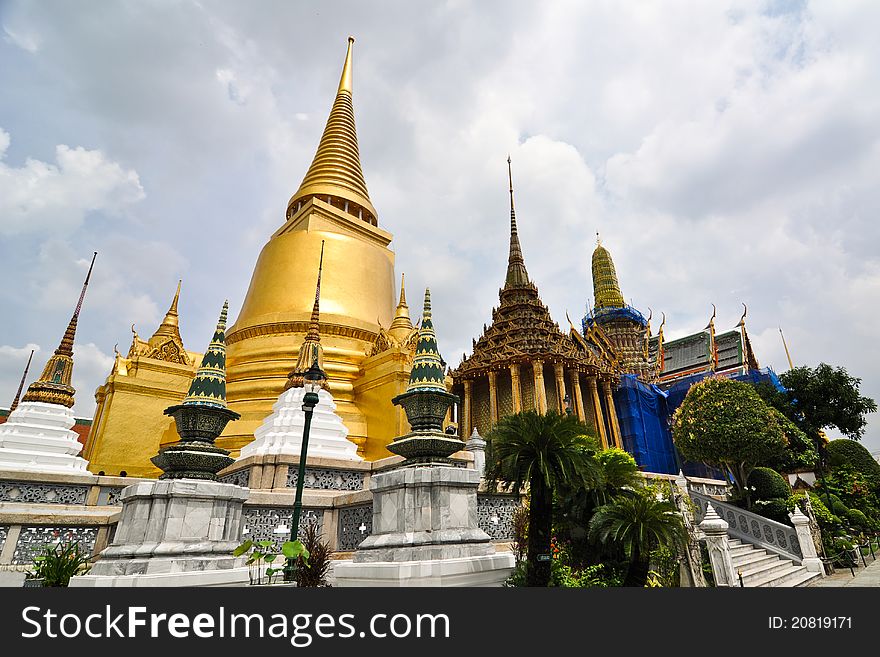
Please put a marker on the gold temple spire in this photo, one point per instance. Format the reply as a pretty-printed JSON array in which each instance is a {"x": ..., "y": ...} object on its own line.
[
  {"x": 335, "y": 175},
  {"x": 516, "y": 266},
  {"x": 606, "y": 289},
  {"x": 171, "y": 324},
  {"x": 311, "y": 350},
  {"x": 345, "y": 78},
  {"x": 401, "y": 325},
  {"x": 21, "y": 383},
  {"x": 53, "y": 386}
]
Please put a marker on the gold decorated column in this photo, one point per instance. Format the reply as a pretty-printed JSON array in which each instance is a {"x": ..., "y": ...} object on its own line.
[
  {"x": 540, "y": 393},
  {"x": 615, "y": 427},
  {"x": 597, "y": 410},
  {"x": 516, "y": 390},
  {"x": 466, "y": 427},
  {"x": 578, "y": 397},
  {"x": 493, "y": 398},
  {"x": 560, "y": 386}
]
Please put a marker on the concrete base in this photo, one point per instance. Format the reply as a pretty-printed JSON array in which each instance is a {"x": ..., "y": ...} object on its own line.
[
  {"x": 230, "y": 577},
  {"x": 425, "y": 533},
  {"x": 178, "y": 532},
  {"x": 489, "y": 570}
]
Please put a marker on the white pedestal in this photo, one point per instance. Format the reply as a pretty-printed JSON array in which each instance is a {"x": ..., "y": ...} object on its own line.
[
  {"x": 37, "y": 437},
  {"x": 425, "y": 533},
  {"x": 177, "y": 532},
  {"x": 282, "y": 431}
]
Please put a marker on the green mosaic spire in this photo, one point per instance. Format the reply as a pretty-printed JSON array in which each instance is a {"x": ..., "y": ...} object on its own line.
[
  {"x": 427, "y": 371},
  {"x": 209, "y": 385}
]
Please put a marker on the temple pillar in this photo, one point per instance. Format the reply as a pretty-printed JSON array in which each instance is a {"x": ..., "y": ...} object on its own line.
[
  {"x": 466, "y": 426},
  {"x": 493, "y": 398},
  {"x": 612, "y": 420},
  {"x": 516, "y": 390},
  {"x": 540, "y": 393},
  {"x": 597, "y": 410},
  {"x": 578, "y": 397},
  {"x": 560, "y": 386}
]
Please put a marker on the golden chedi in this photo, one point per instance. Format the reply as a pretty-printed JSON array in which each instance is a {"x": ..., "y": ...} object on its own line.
[{"x": 364, "y": 368}]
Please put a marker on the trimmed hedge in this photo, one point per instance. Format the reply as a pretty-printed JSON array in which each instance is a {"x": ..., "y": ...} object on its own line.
[
  {"x": 769, "y": 484},
  {"x": 844, "y": 452}
]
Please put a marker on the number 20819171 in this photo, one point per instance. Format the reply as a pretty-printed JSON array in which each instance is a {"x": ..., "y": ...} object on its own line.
[{"x": 810, "y": 623}]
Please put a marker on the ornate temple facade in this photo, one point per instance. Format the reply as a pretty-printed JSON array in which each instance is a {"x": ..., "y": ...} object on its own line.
[{"x": 522, "y": 361}]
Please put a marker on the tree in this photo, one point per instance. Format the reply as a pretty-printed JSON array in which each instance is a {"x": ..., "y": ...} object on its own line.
[
  {"x": 548, "y": 452},
  {"x": 845, "y": 453},
  {"x": 725, "y": 424},
  {"x": 638, "y": 522},
  {"x": 826, "y": 397}
]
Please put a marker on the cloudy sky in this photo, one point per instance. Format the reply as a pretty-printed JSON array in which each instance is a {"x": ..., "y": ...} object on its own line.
[{"x": 727, "y": 151}]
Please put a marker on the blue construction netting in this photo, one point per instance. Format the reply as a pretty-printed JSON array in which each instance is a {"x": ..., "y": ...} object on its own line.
[
  {"x": 599, "y": 315},
  {"x": 642, "y": 415}
]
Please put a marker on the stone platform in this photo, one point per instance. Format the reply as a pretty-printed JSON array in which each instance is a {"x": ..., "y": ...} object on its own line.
[
  {"x": 176, "y": 532},
  {"x": 425, "y": 533}
]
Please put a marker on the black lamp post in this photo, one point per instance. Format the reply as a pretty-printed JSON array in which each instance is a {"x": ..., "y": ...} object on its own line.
[{"x": 313, "y": 379}]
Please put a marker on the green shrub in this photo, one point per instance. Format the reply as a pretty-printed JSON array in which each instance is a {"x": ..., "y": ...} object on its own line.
[
  {"x": 768, "y": 484},
  {"x": 858, "y": 519},
  {"x": 848, "y": 453},
  {"x": 58, "y": 563},
  {"x": 839, "y": 509},
  {"x": 775, "y": 509}
]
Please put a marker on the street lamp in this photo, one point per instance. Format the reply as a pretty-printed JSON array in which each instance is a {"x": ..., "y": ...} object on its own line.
[{"x": 313, "y": 378}]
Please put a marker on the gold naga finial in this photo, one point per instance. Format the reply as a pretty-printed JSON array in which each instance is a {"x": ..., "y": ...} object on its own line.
[
  {"x": 785, "y": 345},
  {"x": 711, "y": 324},
  {"x": 742, "y": 320},
  {"x": 662, "y": 323},
  {"x": 570, "y": 323}
]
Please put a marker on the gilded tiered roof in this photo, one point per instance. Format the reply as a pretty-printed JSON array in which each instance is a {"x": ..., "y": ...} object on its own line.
[
  {"x": 522, "y": 329},
  {"x": 335, "y": 173},
  {"x": 53, "y": 386},
  {"x": 606, "y": 289}
]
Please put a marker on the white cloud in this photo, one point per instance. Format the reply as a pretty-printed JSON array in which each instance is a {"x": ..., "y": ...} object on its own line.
[{"x": 42, "y": 197}]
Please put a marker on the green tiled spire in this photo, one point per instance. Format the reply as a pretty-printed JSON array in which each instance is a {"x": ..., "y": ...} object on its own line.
[
  {"x": 427, "y": 371},
  {"x": 209, "y": 385}
]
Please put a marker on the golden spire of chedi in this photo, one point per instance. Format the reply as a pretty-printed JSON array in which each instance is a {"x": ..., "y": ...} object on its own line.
[
  {"x": 516, "y": 266},
  {"x": 335, "y": 175},
  {"x": 401, "y": 325},
  {"x": 53, "y": 386},
  {"x": 170, "y": 325},
  {"x": 606, "y": 289}
]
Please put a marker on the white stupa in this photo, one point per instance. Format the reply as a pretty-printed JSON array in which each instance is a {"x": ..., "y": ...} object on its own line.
[
  {"x": 282, "y": 431},
  {"x": 37, "y": 435}
]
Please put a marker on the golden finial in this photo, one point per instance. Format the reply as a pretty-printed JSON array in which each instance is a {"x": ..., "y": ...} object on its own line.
[
  {"x": 401, "y": 325},
  {"x": 598, "y": 239},
  {"x": 516, "y": 266},
  {"x": 345, "y": 79},
  {"x": 785, "y": 345},
  {"x": 742, "y": 320},
  {"x": 171, "y": 322},
  {"x": 711, "y": 324},
  {"x": 14, "y": 404},
  {"x": 311, "y": 349}
]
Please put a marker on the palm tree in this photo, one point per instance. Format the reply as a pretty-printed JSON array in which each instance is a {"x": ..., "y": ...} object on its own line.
[
  {"x": 547, "y": 452},
  {"x": 637, "y": 522}
]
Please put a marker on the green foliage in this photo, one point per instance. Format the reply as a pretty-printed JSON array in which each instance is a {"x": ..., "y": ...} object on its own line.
[
  {"x": 520, "y": 522},
  {"x": 665, "y": 566},
  {"x": 550, "y": 452},
  {"x": 58, "y": 563},
  {"x": 768, "y": 484},
  {"x": 725, "y": 424},
  {"x": 775, "y": 509},
  {"x": 858, "y": 520},
  {"x": 845, "y": 453},
  {"x": 619, "y": 468},
  {"x": 638, "y": 522},
  {"x": 263, "y": 553},
  {"x": 564, "y": 576},
  {"x": 826, "y": 397},
  {"x": 313, "y": 560}
]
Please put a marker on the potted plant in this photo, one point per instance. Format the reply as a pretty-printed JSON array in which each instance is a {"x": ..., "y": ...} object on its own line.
[{"x": 57, "y": 564}]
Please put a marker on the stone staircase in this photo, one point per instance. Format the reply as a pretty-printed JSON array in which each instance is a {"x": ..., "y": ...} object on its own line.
[{"x": 761, "y": 568}]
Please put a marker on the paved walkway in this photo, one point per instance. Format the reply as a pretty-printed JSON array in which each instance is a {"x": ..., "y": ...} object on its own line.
[{"x": 869, "y": 576}]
